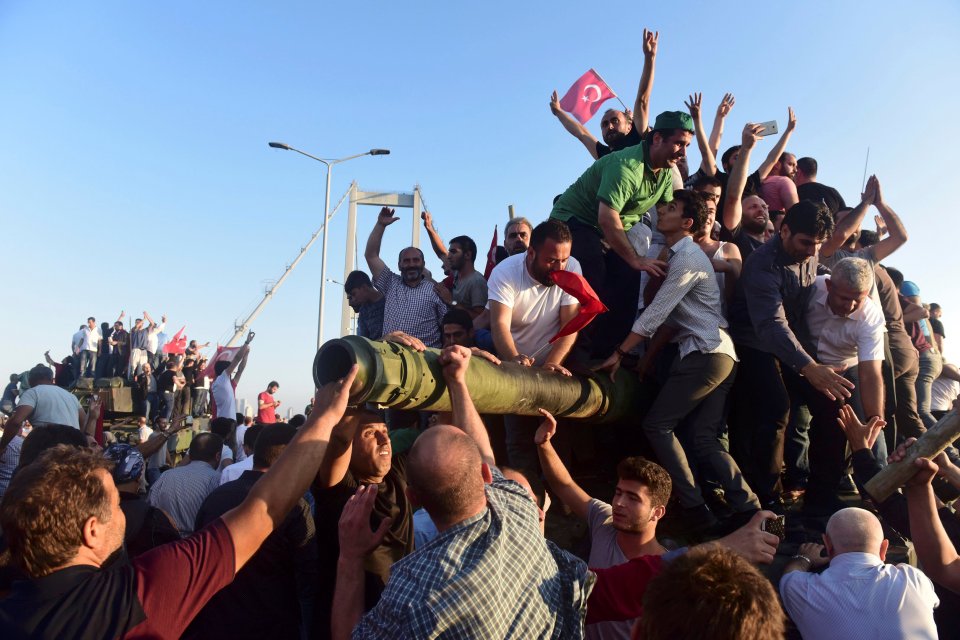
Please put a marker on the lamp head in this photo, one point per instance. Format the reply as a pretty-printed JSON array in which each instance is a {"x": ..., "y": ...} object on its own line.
[
  {"x": 279, "y": 145},
  {"x": 379, "y": 152}
]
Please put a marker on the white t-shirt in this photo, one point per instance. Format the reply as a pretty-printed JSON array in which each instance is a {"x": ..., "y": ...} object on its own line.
[
  {"x": 224, "y": 396},
  {"x": 51, "y": 405},
  {"x": 91, "y": 339},
  {"x": 241, "y": 431},
  {"x": 849, "y": 339},
  {"x": 942, "y": 394},
  {"x": 152, "y": 333},
  {"x": 235, "y": 470},
  {"x": 535, "y": 308}
]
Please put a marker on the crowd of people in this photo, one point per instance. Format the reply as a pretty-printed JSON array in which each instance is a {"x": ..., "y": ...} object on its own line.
[{"x": 780, "y": 353}]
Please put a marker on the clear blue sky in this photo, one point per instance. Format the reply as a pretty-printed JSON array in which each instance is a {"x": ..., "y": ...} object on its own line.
[{"x": 135, "y": 172}]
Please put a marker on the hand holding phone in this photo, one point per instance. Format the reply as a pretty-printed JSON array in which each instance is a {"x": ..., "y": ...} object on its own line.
[
  {"x": 769, "y": 128},
  {"x": 777, "y": 526}
]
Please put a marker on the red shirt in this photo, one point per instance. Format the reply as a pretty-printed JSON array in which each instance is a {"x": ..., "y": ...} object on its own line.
[
  {"x": 618, "y": 591},
  {"x": 268, "y": 414}
]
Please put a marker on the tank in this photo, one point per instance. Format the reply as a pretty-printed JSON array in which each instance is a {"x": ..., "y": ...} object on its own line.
[{"x": 393, "y": 375}]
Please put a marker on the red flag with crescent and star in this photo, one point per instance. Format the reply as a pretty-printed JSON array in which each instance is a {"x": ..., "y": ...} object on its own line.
[
  {"x": 177, "y": 344},
  {"x": 491, "y": 255},
  {"x": 590, "y": 305},
  {"x": 223, "y": 353},
  {"x": 584, "y": 98}
]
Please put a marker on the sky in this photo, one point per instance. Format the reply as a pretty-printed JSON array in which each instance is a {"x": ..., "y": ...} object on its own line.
[{"x": 135, "y": 173}]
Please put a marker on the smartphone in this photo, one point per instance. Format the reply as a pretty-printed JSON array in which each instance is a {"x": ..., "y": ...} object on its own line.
[
  {"x": 769, "y": 128},
  {"x": 777, "y": 526}
]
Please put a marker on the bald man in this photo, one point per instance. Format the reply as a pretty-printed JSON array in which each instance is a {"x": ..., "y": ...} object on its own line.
[
  {"x": 858, "y": 595},
  {"x": 489, "y": 573}
]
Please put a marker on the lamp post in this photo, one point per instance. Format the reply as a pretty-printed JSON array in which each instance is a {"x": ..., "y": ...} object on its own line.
[{"x": 326, "y": 215}]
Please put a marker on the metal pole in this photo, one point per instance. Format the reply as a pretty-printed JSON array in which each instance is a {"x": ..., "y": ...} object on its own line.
[
  {"x": 510, "y": 211},
  {"x": 345, "y": 311},
  {"x": 323, "y": 255}
]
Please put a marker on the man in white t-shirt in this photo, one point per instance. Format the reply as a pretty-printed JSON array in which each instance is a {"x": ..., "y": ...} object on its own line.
[
  {"x": 153, "y": 340},
  {"x": 42, "y": 404},
  {"x": 89, "y": 345},
  {"x": 620, "y": 531},
  {"x": 225, "y": 383},
  {"x": 526, "y": 310}
]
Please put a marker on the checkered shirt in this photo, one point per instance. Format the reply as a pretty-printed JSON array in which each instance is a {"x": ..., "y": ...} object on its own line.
[
  {"x": 491, "y": 576},
  {"x": 414, "y": 310}
]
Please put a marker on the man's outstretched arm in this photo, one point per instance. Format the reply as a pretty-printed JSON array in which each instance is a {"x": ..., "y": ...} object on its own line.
[
  {"x": 723, "y": 110},
  {"x": 708, "y": 160},
  {"x": 573, "y": 127},
  {"x": 554, "y": 471},
  {"x": 733, "y": 194},
  {"x": 435, "y": 240},
  {"x": 774, "y": 156},
  {"x": 641, "y": 107},
  {"x": 372, "y": 250},
  {"x": 455, "y": 361}
]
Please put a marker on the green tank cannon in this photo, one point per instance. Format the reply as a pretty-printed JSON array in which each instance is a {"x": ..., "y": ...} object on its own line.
[{"x": 394, "y": 375}]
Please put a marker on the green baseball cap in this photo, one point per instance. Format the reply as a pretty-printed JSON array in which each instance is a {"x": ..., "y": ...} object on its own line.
[{"x": 674, "y": 120}]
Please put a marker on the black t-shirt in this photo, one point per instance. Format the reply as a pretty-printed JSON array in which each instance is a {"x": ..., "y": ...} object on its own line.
[
  {"x": 190, "y": 375},
  {"x": 822, "y": 193},
  {"x": 165, "y": 382},
  {"x": 630, "y": 140},
  {"x": 744, "y": 241},
  {"x": 391, "y": 502},
  {"x": 937, "y": 327}
]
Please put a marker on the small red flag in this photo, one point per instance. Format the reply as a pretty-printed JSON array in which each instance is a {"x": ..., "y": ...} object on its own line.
[
  {"x": 590, "y": 305},
  {"x": 584, "y": 98},
  {"x": 223, "y": 353},
  {"x": 491, "y": 255},
  {"x": 177, "y": 344}
]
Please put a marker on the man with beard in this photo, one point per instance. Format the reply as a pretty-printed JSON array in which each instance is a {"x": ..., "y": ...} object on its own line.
[
  {"x": 368, "y": 304},
  {"x": 412, "y": 304},
  {"x": 620, "y": 531},
  {"x": 469, "y": 288},
  {"x": 778, "y": 189},
  {"x": 619, "y": 129},
  {"x": 526, "y": 310},
  {"x": 744, "y": 218}
]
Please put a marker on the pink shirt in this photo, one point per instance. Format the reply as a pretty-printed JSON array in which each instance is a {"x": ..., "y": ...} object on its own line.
[{"x": 776, "y": 191}]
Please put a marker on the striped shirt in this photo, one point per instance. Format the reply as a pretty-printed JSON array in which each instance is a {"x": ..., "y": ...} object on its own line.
[
  {"x": 490, "y": 576},
  {"x": 689, "y": 299},
  {"x": 414, "y": 310},
  {"x": 181, "y": 491}
]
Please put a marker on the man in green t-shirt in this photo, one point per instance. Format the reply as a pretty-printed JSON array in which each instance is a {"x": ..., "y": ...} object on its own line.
[{"x": 600, "y": 207}]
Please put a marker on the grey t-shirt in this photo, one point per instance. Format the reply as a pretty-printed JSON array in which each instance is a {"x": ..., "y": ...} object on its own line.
[
  {"x": 51, "y": 405},
  {"x": 470, "y": 291},
  {"x": 605, "y": 552}
]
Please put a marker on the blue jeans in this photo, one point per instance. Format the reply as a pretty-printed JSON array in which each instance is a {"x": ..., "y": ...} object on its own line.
[
  {"x": 166, "y": 404},
  {"x": 931, "y": 364},
  {"x": 151, "y": 405},
  {"x": 88, "y": 364}
]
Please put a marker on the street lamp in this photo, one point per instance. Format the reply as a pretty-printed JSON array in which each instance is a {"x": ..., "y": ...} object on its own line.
[{"x": 326, "y": 215}]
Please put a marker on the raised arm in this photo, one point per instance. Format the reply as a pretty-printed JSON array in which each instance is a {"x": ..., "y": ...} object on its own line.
[
  {"x": 897, "y": 232},
  {"x": 708, "y": 159},
  {"x": 555, "y": 473},
  {"x": 146, "y": 316},
  {"x": 336, "y": 460},
  {"x": 774, "y": 156},
  {"x": 573, "y": 127},
  {"x": 435, "y": 240},
  {"x": 455, "y": 361},
  {"x": 851, "y": 222},
  {"x": 122, "y": 316},
  {"x": 723, "y": 110},
  {"x": 641, "y": 107},
  {"x": 50, "y": 361},
  {"x": 372, "y": 251},
  {"x": 733, "y": 194},
  {"x": 936, "y": 552},
  {"x": 240, "y": 357},
  {"x": 276, "y": 493},
  {"x": 152, "y": 445}
]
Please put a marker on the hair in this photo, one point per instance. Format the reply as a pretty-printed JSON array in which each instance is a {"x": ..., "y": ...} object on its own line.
[
  {"x": 934, "y": 306},
  {"x": 651, "y": 475},
  {"x": 271, "y": 443},
  {"x": 417, "y": 249},
  {"x": 446, "y": 485},
  {"x": 551, "y": 229},
  {"x": 222, "y": 426},
  {"x": 514, "y": 222},
  {"x": 14, "y": 377},
  {"x": 694, "y": 208},
  {"x": 467, "y": 245},
  {"x": 205, "y": 447},
  {"x": 868, "y": 238},
  {"x": 46, "y": 437},
  {"x": 273, "y": 383},
  {"x": 896, "y": 275},
  {"x": 808, "y": 166},
  {"x": 47, "y": 504},
  {"x": 784, "y": 156},
  {"x": 711, "y": 593},
  {"x": 297, "y": 421},
  {"x": 171, "y": 364},
  {"x": 811, "y": 218},
  {"x": 248, "y": 420},
  {"x": 220, "y": 366},
  {"x": 355, "y": 280},
  {"x": 40, "y": 373},
  {"x": 855, "y": 273},
  {"x": 91, "y": 318},
  {"x": 706, "y": 181},
  {"x": 251, "y": 434},
  {"x": 458, "y": 317},
  {"x": 725, "y": 158}
]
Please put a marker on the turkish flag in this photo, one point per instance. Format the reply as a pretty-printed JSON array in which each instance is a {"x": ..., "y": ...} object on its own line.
[
  {"x": 584, "y": 98},
  {"x": 491, "y": 255},
  {"x": 223, "y": 353},
  {"x": 590, "y": 305},
  {"x": 178, "y": 344}
]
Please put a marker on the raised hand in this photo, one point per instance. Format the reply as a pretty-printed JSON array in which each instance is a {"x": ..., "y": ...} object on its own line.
[
  {"x": 751, "y": 133},
  {"x": 881, "y": 226},
  {"x": 650, "y": 39},
  {"x": 332, "y": 397},
  {"x": 611, "y": 364},
  {"x": 547, "y": 428},
  {"x": 693, "y": 105},
  {"x": 555, "y": 104},
  {"x": 723, "y": 110},
  {"x": 859, "y": 435},
  {"x": 871, "y": 191},
  {"x": 250, "y": 337},
  {"x": 386, "y": 218},
  {"x": 427, "y": 218},
  {"x": 751, "y": 541},
  {"x": 791, "y": 119},
  {"x": 455, "y": 360},
  {"x": 357, "y": 539}
]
